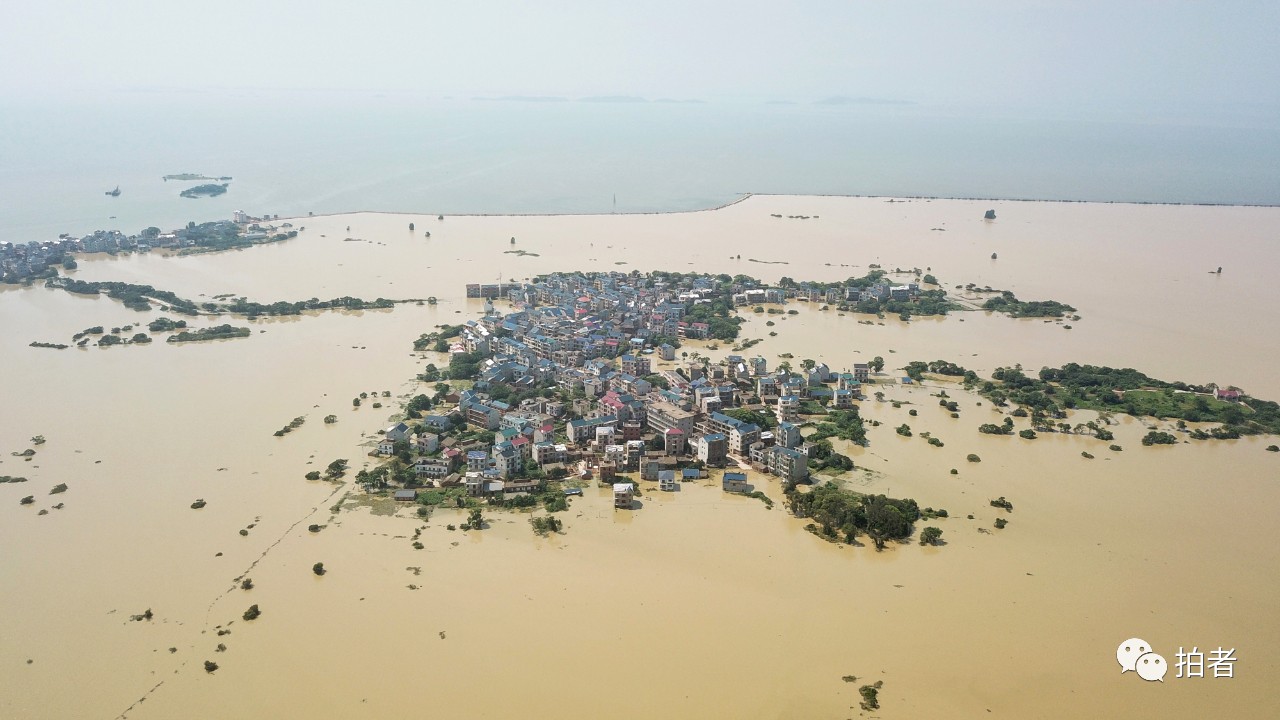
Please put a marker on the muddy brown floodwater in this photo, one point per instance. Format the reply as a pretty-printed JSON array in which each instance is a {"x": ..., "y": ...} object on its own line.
[{"x": 697, "y": 604}]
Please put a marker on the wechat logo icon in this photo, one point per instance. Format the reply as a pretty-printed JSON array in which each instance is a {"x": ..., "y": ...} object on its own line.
[{"x": 1135, "y": 654}]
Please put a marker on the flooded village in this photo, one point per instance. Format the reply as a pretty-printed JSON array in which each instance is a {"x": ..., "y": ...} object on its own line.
[{"x": 612, "y": 440}]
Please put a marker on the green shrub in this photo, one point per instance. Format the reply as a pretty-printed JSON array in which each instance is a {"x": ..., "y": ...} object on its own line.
[{"x": 930, "y": 536}]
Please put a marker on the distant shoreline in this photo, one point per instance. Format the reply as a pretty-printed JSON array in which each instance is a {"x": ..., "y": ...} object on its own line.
[{"x": 747, "y": 196}]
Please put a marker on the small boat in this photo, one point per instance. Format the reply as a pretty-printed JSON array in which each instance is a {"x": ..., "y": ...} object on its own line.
[{"x": 114, "y": 193}]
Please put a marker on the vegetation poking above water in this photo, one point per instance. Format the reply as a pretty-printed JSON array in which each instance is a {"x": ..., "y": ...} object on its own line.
[
  {"x": 254, "y": 309},
  {"x": 218, "y": 332},
  {"x": 1049, "y": 395},
  {"x": 164, "y": 324},
  {"x": 870, "y": 695},
  {"x": 842, "y": 424},
  {"x": 545, "y": 524},
  {"x": 841, "y": 514},
  {"x": 438, "y": 340},
  {"x": 134, "y": 297},
  {"x": 1009, "y": 304},
  {"x": 138, "y": 297},
  {"x": 294, "y": 424}
]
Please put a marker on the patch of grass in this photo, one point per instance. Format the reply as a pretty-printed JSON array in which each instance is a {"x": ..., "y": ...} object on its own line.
[{"x": 1170, "y": 404}]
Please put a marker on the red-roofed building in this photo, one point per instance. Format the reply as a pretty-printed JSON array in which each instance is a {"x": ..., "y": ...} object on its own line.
[
  {"x": 546, "y": 433},
  {"x": 522, "y": 446},
  {"x": 675, "y": 441}
]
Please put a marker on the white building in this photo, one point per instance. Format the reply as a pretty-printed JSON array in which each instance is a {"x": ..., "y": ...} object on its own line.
[{"x": 622, "y": 495}]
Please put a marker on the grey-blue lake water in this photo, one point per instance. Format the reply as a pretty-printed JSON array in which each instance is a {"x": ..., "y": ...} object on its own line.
[{"x": 297, "y": 153}]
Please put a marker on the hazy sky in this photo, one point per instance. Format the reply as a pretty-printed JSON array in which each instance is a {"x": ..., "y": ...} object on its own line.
[{"x": 1024, "y": 53}]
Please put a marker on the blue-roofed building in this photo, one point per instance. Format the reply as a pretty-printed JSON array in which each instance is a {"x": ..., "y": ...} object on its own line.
[
  {"x": 787, "y": 434},
  {"x": 740, "y": 434},
  {"x": 437, "y": 422},
  {"x": 712, "y": 449},
  {"x": 505, "y": 459},
  {"x": 788, "y": 463},
  {"x": 735, "y": 482}
]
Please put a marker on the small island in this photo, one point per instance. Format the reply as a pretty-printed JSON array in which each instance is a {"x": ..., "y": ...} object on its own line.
[
  {"x": 1009, "y": 304},
  {"x": 217, "y": 332},
  {"x": 209, "y": 190},
  {"x": 194, "y": 177}
]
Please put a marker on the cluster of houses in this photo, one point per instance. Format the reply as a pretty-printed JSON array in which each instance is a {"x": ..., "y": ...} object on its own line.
[
  {"x": 594, "y": 337},
  {"x": 827, "y": 294},
  {"x": 23, "y": 261}
]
